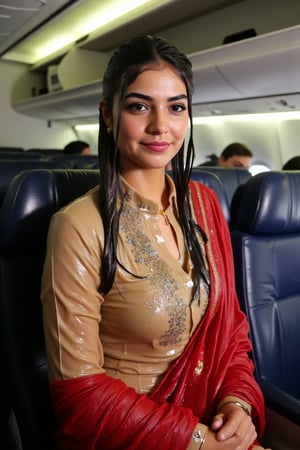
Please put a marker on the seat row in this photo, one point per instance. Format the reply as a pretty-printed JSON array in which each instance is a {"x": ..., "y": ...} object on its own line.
[
  {"x": 265, "y": 218},
  {"x": 224, "y": 184},
  {"x": 73, "y": 161}
]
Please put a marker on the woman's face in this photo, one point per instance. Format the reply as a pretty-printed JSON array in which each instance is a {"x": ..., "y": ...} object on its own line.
[{"x": 154, "y": 118}]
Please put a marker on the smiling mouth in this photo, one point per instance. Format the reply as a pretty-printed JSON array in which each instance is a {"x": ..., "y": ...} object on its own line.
[{"x": 158, "y": 146}]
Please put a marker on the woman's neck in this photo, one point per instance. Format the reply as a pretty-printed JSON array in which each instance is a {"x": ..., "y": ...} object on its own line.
[{"x": 150, "y": 184}]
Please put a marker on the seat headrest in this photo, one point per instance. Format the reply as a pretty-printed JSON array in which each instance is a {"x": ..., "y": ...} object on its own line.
[
  {"x": 10, "y": 168},
  {"x": 33, "y": 197},
  {"x": 268, "y": 203},
  {"x": 231, "y": 177},
  {"x": 212, "y": 181}
]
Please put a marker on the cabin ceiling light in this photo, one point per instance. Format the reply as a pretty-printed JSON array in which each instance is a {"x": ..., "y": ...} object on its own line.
[
  {"x": 78, "y": 21},
  {"x": 87, "y": 127},
  {"x": 289, "y": 115}
]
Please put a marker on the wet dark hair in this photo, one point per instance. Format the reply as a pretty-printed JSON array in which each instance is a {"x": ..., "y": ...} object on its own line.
[{"x": 125, "y": 65}]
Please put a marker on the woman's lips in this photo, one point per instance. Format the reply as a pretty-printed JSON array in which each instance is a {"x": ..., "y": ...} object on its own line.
[{"x": 157, "y": 146}]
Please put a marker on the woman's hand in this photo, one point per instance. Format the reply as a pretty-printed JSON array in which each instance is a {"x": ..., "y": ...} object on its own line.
[{"x": 231, "y": 427}]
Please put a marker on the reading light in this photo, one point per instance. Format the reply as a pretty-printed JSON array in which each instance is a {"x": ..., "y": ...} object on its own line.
[{"x": 87, "y": 127}]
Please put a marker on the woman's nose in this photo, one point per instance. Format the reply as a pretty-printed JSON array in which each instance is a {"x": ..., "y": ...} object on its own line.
[{"x": 158, "y": 123}]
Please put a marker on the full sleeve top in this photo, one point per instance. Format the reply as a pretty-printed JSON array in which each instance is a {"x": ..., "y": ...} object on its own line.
[{"x": 143, "y": 324}]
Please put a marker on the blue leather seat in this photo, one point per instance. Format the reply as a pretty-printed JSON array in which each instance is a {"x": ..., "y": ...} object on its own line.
[
  {"x": 30, "y": 201},
  {"x": 45, "y": 151},
  {"x": 74, "y": 161},
  {"x": 7, "y": 148},
  {"x": 231, "y": 177},
  {"x": 266, "y": 246},
  {"x": 15, "y": 155},
  {"x": 212, "y": 181},
  {"x": 10, "y": 168}
]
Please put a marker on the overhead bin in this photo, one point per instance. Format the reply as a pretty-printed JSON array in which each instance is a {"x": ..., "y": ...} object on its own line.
[
  {"x": 262, "y": 66},
  {"x": 250, "y": 71},
  {"x": 262, "y": 75}
]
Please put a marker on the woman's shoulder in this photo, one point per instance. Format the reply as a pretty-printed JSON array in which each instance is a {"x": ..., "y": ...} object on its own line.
[
  {"x": 82, "y": 213},
  {"x": 87, "y": 203}
]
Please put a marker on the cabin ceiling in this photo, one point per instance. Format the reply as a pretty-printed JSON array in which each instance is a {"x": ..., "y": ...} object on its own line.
[{"x": 21, "y": 19}]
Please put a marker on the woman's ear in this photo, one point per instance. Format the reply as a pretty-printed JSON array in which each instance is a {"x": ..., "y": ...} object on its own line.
[{"x": 106, "y": 114}]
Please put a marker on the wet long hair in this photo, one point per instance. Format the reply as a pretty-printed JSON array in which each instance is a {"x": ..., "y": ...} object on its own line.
[{"x": 125, "y": 65}]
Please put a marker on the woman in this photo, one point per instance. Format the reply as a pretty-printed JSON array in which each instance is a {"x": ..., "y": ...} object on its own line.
[{"x": 146, "y": 343}]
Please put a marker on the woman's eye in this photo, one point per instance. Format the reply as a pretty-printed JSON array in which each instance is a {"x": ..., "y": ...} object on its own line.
[
  {"x": 136, "y": 107},
  {"x": 178, "y": 108}
]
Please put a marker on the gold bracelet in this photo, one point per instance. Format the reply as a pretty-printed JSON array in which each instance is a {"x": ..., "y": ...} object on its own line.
[{"x": 244, "y": 408}]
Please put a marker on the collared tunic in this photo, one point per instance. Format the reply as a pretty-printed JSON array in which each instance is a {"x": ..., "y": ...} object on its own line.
[{"x": 145, "y": 321}]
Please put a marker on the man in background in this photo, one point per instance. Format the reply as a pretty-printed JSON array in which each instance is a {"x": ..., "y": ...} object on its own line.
[
  {"x": 77, "y": 148},
  {"x": 234, "y": 155}
]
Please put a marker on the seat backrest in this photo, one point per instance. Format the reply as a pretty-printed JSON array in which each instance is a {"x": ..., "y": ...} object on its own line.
[
  {"x": 266, "y": 247},
  {"x": 15, "y": 155},
  {"x": 231, "y": 177},
  {"x": 29, "y": 203},
  {"x": 8, "y": 148},
  {"x": 74, "y": 161},
  {"x": 45, "y": 151},
  {"x": 10, "y": 168},
  {"x": 212, "y": 181}
]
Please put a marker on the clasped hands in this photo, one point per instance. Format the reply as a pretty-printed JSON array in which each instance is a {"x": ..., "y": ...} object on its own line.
[{"x": 231, "y": 429}]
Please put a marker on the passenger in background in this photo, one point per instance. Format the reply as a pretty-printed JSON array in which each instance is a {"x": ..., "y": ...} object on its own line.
[
  {"x": 77, "y": 148},
  {"x": 292, "y": 164},
  {"x": 147, "y": 345},
  {"x": 234, "y": 155}
]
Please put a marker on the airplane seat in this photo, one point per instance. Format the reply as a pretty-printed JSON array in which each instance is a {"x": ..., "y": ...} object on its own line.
[
  {"x": 85, "y": 161},
  {"x": 45, "y": 151},
  {"x": 212, "y": 181},
  {"x": 10, "y": 168},
  {"x": 266, "y": 248},
  {"x": 30, "y": 201},
  {"x": 7, "y": 148},
  {"x": 92, "y": 165},
  {"x": 75, "y": 161},
  {"x": 231, "y": 177},
  {"x": 12, "y": 155}
]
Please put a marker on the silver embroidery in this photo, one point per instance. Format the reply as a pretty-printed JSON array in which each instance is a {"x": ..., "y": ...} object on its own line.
[{"x": 165, "y": 286}]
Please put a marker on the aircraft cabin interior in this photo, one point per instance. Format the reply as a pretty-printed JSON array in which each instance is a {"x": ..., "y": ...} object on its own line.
[{"x": 245, "y": 56}]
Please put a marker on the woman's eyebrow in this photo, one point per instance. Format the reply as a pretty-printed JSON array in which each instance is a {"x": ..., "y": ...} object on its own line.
[{"x": 149, "y": 98}]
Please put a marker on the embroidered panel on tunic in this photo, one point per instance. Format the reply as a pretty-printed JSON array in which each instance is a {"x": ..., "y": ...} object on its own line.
[{"x": 165, "y": 296}]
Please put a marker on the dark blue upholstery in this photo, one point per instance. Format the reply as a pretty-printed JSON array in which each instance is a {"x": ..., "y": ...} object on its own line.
[
  {"x": 28, "y": 205},
  {"x": 45, "y": 151},
  {"x": 10, "y": 168},
  {"x": 231, "y": 177},
  {"x": 266, "y": 246},
  {"x": 7, "y": 148},
  {"x": 74, "y": 161},
  {"x": 15, "y": 155},
  {"x": 212, "y": 181}
]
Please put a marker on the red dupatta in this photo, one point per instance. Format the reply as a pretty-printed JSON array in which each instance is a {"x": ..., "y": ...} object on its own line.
[{"x": 98, "y": 412}]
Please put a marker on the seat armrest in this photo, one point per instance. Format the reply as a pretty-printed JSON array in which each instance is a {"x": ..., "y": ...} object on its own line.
[{"x": 276, "y": 399}]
